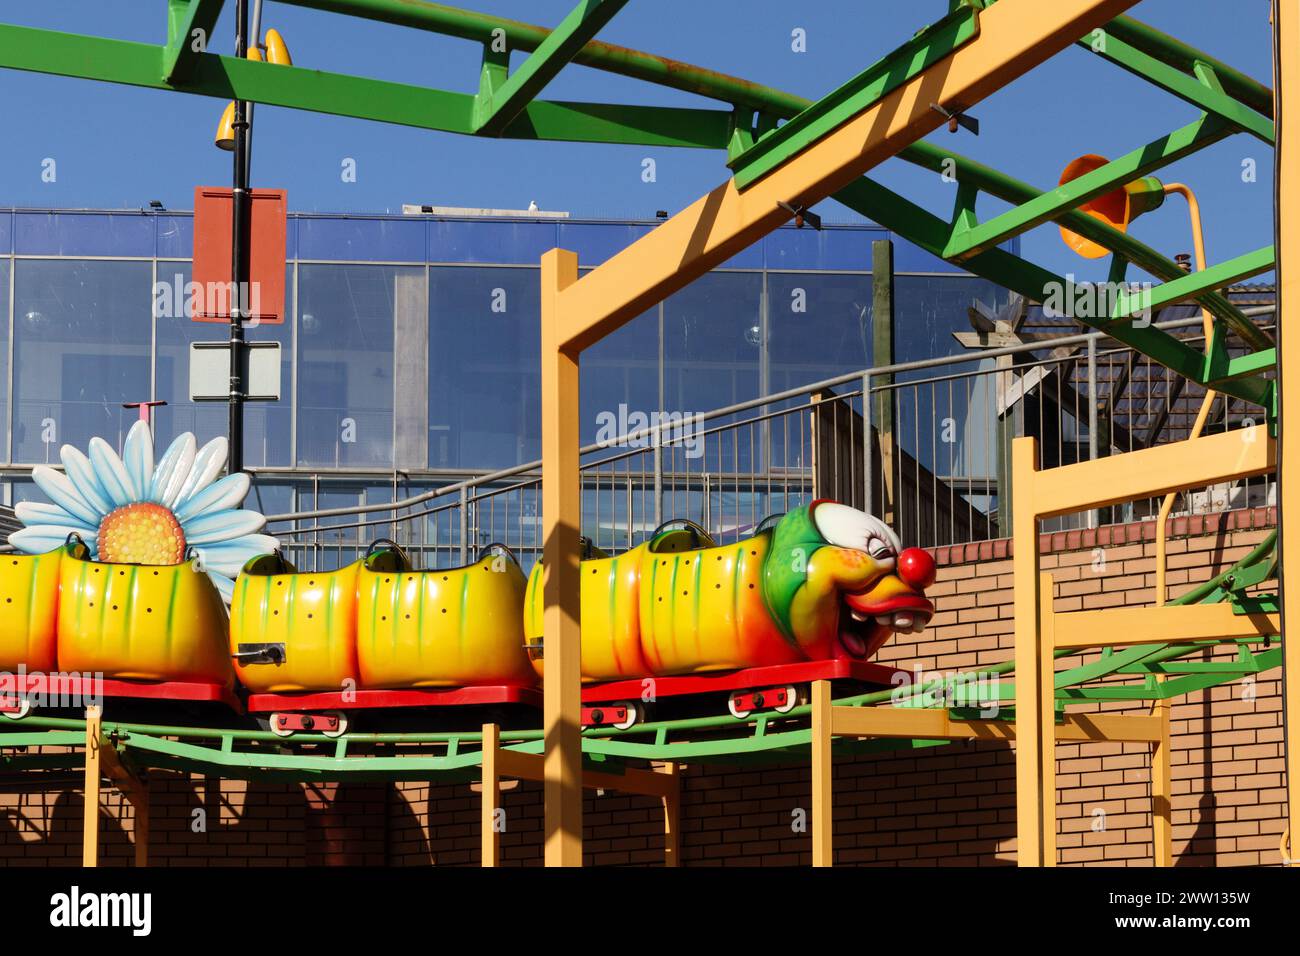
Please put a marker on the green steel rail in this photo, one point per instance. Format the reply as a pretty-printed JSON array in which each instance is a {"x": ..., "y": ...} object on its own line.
[{"x": 765, "y": 738}]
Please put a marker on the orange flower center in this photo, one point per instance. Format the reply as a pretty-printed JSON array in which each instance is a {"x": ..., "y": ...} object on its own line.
[{"x": 141, "y": 533}]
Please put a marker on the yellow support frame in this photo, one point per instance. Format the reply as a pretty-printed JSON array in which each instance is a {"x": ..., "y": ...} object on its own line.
[
  {"x": 100, "y": 762},
  {"x": 1287, "y": 80},
  {"x": 664, "y": 782},
  {"x": 1014, "y": 37},
  {"x": 919, "y": 723},
  {"x": 1039, "y": 632}
]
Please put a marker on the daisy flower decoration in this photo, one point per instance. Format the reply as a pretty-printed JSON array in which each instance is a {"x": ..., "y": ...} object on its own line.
[{"x": 129, "y": 510}]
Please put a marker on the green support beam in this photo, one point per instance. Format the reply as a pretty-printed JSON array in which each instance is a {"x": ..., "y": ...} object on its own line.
[
  {"x": 189, "y": 31},
  {"x": 1012, "y": 190},
  {"x": 918, "y": 54},
  {"x": 1193, "y": 284},
  {"x": 1178, "y": 54},
  {"x": 931, "y": 233},
  {"x": 1049, "y": 205},
  {"x": 494, "y": 111},
  {"x": 138, "y": 64},
  {"x": 1203, "y": 87}
]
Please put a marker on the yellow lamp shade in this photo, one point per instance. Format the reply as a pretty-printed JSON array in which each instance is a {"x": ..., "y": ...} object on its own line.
[
  {"x": 276, "y": 50},
  {"x": 1116, "y": 208},
  {"x": 225, "y": 138}
]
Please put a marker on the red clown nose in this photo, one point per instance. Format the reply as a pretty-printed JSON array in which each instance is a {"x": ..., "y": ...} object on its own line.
[{"x": 916, "y": 568}]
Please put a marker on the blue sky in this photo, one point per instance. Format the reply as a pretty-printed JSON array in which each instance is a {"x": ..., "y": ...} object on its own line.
[{"x": 118, "y": 146}]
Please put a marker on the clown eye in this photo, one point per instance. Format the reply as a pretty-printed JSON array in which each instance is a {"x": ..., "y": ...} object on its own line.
[
  {"x": 847, "y": 527},
  {"x": 880, "y": 549}
]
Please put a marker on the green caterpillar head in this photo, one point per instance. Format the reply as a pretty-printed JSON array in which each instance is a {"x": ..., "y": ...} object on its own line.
[{"x": 838, "y": 583}]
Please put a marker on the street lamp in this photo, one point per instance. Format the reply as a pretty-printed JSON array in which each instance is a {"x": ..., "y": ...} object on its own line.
[{"x": 234, "y": 134}]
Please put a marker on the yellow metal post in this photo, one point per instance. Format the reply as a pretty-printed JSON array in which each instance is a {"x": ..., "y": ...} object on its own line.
[
  {"x": 561, "y": 518},
  {"x": 90, "y": 818},
  {"x": 672, "y": 801},
  {"x": 140, "y": 802},
  {"x": 1047, "y": 716},
  {"x": 1287, "y": 81},
  {"x": 491, "y": 796},
  {"x": 1028, "y": 656},
  {"x": 1162, "y": 787},
  {"x": 823, "y": 796}
]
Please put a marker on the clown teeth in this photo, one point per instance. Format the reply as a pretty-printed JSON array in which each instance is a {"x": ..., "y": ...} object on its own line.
[
  {"x": 903, "y": 622},
  {"x": 885, "y": 620},
  {"x": 858, "y": 616}
]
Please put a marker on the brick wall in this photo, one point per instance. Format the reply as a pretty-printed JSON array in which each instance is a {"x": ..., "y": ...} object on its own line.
[{"x": 953, "y": 804}]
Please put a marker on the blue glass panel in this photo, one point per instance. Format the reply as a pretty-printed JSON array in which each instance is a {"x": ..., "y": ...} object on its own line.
[
  {"x": 829, "y": 248},
  {"x": 175, "y": 235},
  {"x": 912, "y": 258},
  {"x": 345, "y": 373},
  {"x": 6, "y": 233},
  {"x": 4, "y": 343},
  {"x": 484, "y": 367},
  {"x": 508, "y": 241},
  {"x": 594, "y": 242},
  {"x": 266, "y": 424},
  {"x": 366, "y": 240},
  {"x": 82, "y": 335},
  {"x": 620, "y": 376},
  {"x": 928, "y": 309},
  {"x": 712, "y": 339},
  {"x": 83, "y": 234},
  {"x": 819, "y": 326}
]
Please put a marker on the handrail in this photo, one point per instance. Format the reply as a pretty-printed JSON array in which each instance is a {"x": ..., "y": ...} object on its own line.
[{"x": 652, "y": 431}]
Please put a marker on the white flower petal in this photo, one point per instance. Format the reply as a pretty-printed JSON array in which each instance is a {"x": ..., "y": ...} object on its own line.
[
  {"x": 137, "y": 455},
  {"x": 41, "y": 538},
  {"x": 221, "y": 495},
  {"x": 82, "y": 474},
  {"x": 172, "y": 471},
  {"x": 231, "y": 556},
  {"x": 225, "y": 585},
  {"x": 207, "y": 465},
  {"x": 59, "y": 489},
  {"x": 39, "y": 512},
  {"x": 222, "y": 526},
  {"x": 111, "y": 472}
]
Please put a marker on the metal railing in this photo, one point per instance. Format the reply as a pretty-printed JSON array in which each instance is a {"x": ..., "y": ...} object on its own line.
[{"x": 929, "y": 453}]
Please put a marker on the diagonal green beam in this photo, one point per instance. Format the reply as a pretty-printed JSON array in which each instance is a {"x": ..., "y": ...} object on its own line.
[
  {"x": 995, "y": 183},
  {"x": 1049, "y": 205},
  {"x": 823, "y": 117},
  {"x": 1202, "y": 88},
  {"x": 138, "y": 64},
  {"x": 927, "y": 230},
  {"x": 189, "y": 31},
  {"x": 1178, "y": 54},
  {"x": 1188, "y": 286},
  {"x": 494, "y": 109}
]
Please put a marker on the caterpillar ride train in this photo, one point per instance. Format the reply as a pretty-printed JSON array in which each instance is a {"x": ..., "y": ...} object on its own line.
[{"x": 132, "y": 566}]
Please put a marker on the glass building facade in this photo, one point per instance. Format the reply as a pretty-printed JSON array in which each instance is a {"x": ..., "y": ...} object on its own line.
[{"x": 410, "y": 350}]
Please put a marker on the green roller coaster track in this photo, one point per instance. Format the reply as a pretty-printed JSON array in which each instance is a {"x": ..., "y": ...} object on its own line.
[
  {"x": 759, "y": 129},
  {"x": 770, "y": 738}
]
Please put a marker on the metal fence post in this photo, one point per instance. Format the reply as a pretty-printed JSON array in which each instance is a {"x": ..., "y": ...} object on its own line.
[
  {"x": 1092, "y": 414},
  {"x": 867, "y": 477},
  {"x": 464, "y": 525}
]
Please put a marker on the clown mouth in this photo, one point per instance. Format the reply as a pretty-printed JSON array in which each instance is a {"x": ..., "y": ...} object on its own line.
[{"x": 864, "y": 627}]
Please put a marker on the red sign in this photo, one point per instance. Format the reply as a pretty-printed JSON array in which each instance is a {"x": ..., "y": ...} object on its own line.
[{"x": 212, "y": 279}]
